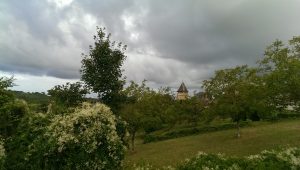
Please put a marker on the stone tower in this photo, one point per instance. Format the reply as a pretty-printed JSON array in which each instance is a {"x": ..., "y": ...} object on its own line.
[{"x": 182, "y": 92}]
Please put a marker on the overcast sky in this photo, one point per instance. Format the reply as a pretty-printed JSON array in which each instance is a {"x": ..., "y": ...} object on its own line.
[{"x": 169, "y": 41}]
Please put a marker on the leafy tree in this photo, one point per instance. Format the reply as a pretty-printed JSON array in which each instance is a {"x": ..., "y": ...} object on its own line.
[
  {"x": 132, "y": 115},
  {"x": 146, "y": 109},
  {"x": 280, "y": 68},
  {"x": 11, "y": 109},
  {"x": 10, "y": 116},
  {"x": 237, "y": 93},
  {"x": 5, "y": 95},
  {"x": 154, "y": 107},
  {"x": 191, "y": 110},
  {"x": 101, "y": 69},
  {"x": 69, "y": 95},
  {"x": 132, "y": 112}
]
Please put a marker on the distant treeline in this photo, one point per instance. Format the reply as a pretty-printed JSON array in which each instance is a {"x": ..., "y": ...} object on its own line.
[{"x": 32, "y": 97}]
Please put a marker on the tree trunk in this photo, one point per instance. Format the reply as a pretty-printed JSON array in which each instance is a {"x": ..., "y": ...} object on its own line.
[
  {"x": 132, "y": 140},
  {"x": 238, "y": 129}
]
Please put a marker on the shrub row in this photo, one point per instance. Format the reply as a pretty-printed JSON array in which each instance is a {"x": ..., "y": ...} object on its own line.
[
  {"x": 190, "y": 131},
  {"x": 287, "y": 159},
  {"x": 268, "y": 160},
  {"x": 288, "y": 115}
]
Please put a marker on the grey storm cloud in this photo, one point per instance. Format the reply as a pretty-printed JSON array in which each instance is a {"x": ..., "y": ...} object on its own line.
[{"x": 168, "y": 41}]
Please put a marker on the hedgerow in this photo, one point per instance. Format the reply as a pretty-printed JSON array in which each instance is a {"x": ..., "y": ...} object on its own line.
[
  {"x": 190, "y": 131},
  {"x": 287, "y": 159}
]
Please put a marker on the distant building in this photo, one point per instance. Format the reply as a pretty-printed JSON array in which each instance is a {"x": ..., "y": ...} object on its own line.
[{"x": 182, "y": 92}]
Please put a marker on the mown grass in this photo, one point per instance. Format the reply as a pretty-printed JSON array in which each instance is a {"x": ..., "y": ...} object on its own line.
[{"x": 254, "y": 139}]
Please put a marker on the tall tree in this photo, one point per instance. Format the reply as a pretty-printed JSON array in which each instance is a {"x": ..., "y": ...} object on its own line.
[
  {"x": 101, "y": 69},
  {"x": 280, "y": 68},
  {"x": 237, "y": 93},
  {"x": 132, "y": 111}
]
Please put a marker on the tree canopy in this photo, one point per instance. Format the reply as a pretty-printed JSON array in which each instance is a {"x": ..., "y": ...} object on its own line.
[
  {"x": 101, "y": 69},
  {"x": 70, "y": 94}
]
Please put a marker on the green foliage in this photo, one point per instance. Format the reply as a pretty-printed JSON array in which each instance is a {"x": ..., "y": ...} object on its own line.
[
  {"x": 101, "y": 69},
  {"x": 37, "y": 102},
  {"x": 31, "y": 129},
  {"x": 132, "y": 116},
  {"x": 6, "y": 82},
  {"x": 69, "y": 95},
  {"x": 153, "y": 110},
  {"x": 270, "y": 160},
  {"x": 122, "y": 130},
  {"x": 181, "y": 132},
  {"x": 32, "y": 97},
  {"x": 10, "y": 116},
  {"x": 238, "y": 93},
  {"x": 132, "y": 111},
  {"x": 85, "y": 139},
  {"x": 5, "y": 95},
  {"x": 154, "y": 107},
  {"x": 191, "y": 110},
  {"x": 11, "y": 109},
  {"x": 288, "y": 159},
  {"x": 280, "y": 68},
  {"x": 151, "y": 124},
  {"x": 2, "y": 153}
]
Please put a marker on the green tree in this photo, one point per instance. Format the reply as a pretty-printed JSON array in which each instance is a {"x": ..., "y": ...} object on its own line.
[
  {"x": 11, "y": 109},
  {"x": 155, "y": 110},
  {"x": 69, "y": 95},
  {"x": 191, "y": 110},
  {"x": 11, "y": 114},
  {"x": 237, "y": 93},
  {"x": 5, "y": 95},
  {"x": 280, "y": 68},
  {"x": 101, "y": 69},
  {"x": 132, "y": 111},
  {"x": 132, "y": 115}
]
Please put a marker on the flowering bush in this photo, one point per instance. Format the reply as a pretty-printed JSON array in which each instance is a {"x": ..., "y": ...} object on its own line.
[
  {"x": 85, "y": 139},
  {"x": 275, "y": 159},
  {"x": 287, "y": 159}
]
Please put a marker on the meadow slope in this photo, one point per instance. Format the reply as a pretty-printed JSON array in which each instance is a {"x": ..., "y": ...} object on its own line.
[{"x": 254, "y": 139}]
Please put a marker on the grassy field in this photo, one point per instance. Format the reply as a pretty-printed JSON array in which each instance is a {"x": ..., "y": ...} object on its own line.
[{"x": 260, "y": 136}]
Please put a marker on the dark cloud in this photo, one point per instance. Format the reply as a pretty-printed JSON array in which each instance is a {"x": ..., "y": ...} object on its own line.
[
  {"x": 203, "y": 32},
  {"x": 169, "y": 41}
]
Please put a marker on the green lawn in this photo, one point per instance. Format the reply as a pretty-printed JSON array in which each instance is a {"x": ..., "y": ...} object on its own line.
[{"x": 260, "y": 136}]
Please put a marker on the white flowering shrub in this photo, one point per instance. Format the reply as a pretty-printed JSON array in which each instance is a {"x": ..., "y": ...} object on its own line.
[
  {"x": 287, "y": 159},
  {"x": 85, "y": 139}
]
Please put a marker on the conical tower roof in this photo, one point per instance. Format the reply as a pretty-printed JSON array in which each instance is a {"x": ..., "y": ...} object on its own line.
[{"x": 182, "y": 88}]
